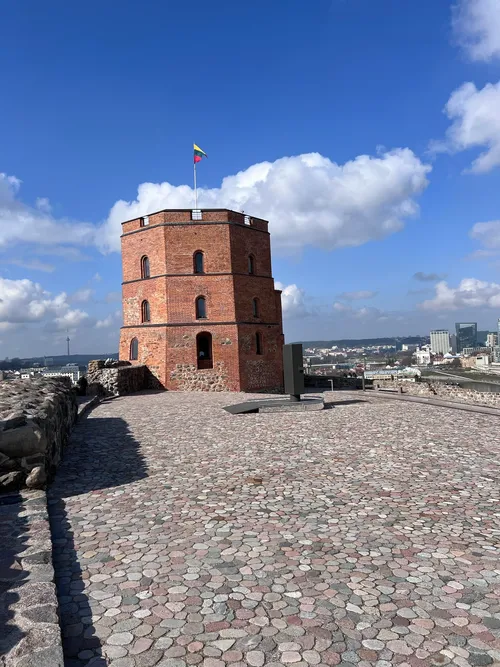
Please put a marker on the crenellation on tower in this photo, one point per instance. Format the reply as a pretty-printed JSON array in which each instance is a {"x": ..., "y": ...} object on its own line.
[{"x": 199, "y": 304}]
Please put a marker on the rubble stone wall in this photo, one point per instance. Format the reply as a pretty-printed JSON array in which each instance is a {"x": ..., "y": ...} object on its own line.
[
  {"x": 447, "y": 392},
  {"x": 118, "y": 378},
  {"x": 189, "y": 378},
  {"x": 36, "y": 418}
]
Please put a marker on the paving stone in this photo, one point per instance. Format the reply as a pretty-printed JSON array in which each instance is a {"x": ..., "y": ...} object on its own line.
[{"x": 371, "y": 537}]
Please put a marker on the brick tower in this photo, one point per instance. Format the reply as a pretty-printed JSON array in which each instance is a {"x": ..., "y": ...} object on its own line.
[{"x": 199, "y": 304}]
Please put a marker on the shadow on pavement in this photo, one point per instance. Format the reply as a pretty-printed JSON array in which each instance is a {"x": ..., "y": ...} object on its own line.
[
  {"x": 13, "y": 538},
  {"x": 101, "y": 454},
  {"x": 338, "y": 404}
]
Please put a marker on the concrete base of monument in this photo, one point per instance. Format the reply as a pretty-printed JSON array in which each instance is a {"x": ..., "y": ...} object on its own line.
[{"x": 276, "y": 405}]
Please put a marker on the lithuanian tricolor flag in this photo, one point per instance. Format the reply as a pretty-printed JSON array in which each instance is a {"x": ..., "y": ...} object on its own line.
[{"x": 198, "y": 153}]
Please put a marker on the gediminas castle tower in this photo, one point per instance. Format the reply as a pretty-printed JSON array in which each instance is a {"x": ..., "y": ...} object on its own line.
[{"x": 199, "y": 304}]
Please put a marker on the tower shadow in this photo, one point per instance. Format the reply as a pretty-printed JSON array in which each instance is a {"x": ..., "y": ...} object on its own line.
[
  {"x": 14, "y": 536},
  {"x": 101, "y": 454}
]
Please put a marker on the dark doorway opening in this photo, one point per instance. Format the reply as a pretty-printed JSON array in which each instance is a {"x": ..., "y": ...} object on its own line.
[{"x": 204, "y": 351}]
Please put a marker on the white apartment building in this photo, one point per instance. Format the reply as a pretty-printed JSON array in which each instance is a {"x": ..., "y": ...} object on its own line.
[
  {"x": 492, "y": 339},
  {"x": 423, "y": 356},
  {"x": 70, "y": 370},
  {"x": 440, "y": 341}
]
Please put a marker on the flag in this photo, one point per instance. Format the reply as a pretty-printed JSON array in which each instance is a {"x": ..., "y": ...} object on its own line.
[{"x": 198, "y": 153}]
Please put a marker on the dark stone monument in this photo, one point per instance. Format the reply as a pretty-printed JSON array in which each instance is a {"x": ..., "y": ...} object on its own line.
[{"x": 294, "y": 386}]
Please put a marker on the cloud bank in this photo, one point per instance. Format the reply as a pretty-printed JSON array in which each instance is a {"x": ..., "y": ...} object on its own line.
[
  {"x": 25, "y": 302},
  {"x": 470, "y": 293},
  {"x": 476, "y": 25},
  {"x": 293, "y": 300},
  {"x": 475, "y": 123},
  {"x": 309, "y": 199}
]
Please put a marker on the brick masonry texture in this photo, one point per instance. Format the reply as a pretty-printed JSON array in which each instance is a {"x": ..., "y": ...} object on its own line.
[
  {"x": 168, "y": 343},
  {"x": 366, "y": 534}
]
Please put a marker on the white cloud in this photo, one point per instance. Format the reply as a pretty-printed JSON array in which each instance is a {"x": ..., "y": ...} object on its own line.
[
  {"x": 21, "y": 223},
  {"x": 367, "y": 312},
  {"x": 82, "y": 295},
  {"x": 106, "y": 322},
  {"x": 293, "y": 300},
  {"x": 476, "y": 24},
  {"x": 475, "y": 123},
  {"x": 488, "y": 234},
  {"x": 308, "y": 199},
  {"x": 355, "y": 296},
  {"x": 66, "y": 252},
  {"x": 71, "y": 319},
  {"x": 33, "y": 265},
  {"x": 470, "y": 293},
  {"x": 23, "y": 301}
]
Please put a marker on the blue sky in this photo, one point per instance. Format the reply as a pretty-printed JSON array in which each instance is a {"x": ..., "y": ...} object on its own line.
[{"x": 354, "y": 126}]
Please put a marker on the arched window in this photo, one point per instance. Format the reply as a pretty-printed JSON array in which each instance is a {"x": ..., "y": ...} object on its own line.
[
  {"x": 145, "y": 312},
  {"x": 134, "y": 349},
  {"x": 258, "y": 343},
  {"x": 145, "y": 267},
  {"x": 251, "y": 264},
  {"x": 204, "y": 350},
  {"x": 255, "y": 305},
  {"x": 201, "y": 308},
  {"x": 198, "y": 262}
]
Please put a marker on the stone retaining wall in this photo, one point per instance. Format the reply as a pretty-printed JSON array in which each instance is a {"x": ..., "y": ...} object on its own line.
[
  {"x": 36, "y": 418},
  {"x": 118, "y": 378},
  {"x": 447, "y": 392}
]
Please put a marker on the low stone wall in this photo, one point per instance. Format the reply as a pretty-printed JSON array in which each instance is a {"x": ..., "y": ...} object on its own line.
[
  {"x": 447, "y": 392},
  {"x": 118, "y": 378},
  {"x": 29, "y": 624},
  {"x": 36, "y": 418}
]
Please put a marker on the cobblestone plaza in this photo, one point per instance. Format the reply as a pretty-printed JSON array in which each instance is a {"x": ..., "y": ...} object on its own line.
[{"x": 366, "y": 534}]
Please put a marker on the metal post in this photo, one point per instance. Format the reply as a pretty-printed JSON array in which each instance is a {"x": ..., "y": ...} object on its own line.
[{"x": 195, "y": 188}]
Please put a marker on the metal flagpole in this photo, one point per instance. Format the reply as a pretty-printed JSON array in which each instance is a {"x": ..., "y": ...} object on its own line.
[{"x": 195, "y": 190}]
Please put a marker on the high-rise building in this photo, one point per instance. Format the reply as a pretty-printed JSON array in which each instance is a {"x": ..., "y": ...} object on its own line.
[
  {"x": 440, "y": 341},
  {"x": 199, "y": 305},
  {"x": 466, "y": 335},
  {"x": 492, "y": 339},
  {"x": 498, "y": 331},
  {"x": 453, "y": 343}
]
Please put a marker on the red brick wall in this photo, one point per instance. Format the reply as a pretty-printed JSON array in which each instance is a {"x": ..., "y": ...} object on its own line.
[
  {"x": 170, "y": 241},
  {"x": 152, "y": 348},
  {"x": 183, "y": 242},
  {"x": 149, "y": 243},
  {"x": 246, "y": 241}
]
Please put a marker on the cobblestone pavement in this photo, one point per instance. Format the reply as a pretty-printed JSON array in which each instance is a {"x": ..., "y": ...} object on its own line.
[{"x": 366, "y": 534}]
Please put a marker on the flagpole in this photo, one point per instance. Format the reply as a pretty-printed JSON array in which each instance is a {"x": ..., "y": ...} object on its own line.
[{"x": 195, "y": 189}]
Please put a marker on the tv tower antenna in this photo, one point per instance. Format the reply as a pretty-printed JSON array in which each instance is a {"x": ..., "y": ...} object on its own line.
[{"x": 67, "y": 340}]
